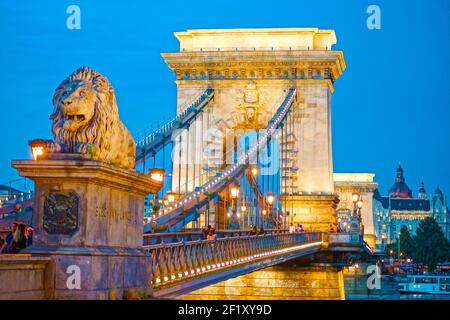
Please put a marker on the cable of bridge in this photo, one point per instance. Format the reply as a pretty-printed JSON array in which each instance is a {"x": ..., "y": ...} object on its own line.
[{"x": 189, "y": 201}]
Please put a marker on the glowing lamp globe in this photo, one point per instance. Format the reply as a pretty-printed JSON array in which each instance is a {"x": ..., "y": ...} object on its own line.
[{"x": 157, "y": 174}]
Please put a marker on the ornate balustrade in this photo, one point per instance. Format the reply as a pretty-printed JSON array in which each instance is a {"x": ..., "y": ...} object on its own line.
[
  {"x": 181, "y": 261},
  {"x": 345, "y": 238},
  {"x": 197, "y": 234}
]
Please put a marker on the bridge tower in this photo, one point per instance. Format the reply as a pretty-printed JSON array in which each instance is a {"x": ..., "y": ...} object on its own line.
[{"x": 250, "y": 71}]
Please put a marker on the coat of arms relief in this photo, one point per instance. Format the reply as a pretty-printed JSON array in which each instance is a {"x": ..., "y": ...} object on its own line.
[{"x": 251, "y": 109}]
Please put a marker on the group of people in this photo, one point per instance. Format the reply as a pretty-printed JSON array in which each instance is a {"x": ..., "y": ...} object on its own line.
[
  {"x": 254, "y": 231},
  {"x": 209, "y": 233},
  {"x": 296, "y": 229},
  {"x": 18, "y": 239}
]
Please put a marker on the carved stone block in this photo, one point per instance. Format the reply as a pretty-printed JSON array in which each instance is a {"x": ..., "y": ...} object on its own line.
[{"x": 61, "y": 213}]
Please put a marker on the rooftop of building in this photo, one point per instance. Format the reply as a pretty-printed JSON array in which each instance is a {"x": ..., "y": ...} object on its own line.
[{"x": 261, "y": 39}]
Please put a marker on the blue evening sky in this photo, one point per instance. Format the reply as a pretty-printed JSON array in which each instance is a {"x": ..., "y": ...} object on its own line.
[{"x": 390, "y": 105}]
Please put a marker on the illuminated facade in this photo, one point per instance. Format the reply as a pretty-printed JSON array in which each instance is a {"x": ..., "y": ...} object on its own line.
[
  {"x": 400, "y": 209},
  {"x": 347, "y": 183},
  {"x": 251, "y": 70}
]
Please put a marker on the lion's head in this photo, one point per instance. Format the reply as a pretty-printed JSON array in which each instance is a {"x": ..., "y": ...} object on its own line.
[{"x": 84, "y": 106}]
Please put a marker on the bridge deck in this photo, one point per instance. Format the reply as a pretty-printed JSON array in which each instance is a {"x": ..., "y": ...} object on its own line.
[{"x": 181, "y": 267}]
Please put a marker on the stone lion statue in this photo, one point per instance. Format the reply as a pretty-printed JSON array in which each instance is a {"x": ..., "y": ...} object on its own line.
[{"x": 86, "y": 120}]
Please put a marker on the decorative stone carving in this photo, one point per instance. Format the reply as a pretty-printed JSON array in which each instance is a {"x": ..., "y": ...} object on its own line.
[
  {"x": 86, "y": 120},
  {"x": 249, "y": 109},
  {"x": 61, "y": 213}
]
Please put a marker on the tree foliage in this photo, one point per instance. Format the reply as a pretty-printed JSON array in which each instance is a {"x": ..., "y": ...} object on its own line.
[
  {"x": 430, "y": 244},
  {"x": 406, "y": 242}
]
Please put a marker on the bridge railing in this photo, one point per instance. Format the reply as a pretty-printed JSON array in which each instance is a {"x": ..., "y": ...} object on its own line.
[
  {"x": 344, "y": 238},
  {"x": 181, "y": 261},
  {"x": 197, "y": 234}
]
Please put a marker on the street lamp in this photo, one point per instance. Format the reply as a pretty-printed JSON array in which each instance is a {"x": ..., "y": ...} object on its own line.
[
  {"x": 270, "y": 198},
  {"x": 355, "y": 197},
  {"x": 170, "y": 197},
  {"x": 37, "y": 148},
  {"x": 359, "y": 204},
  {"x": 254, "y": 170},
  {"x": 156, "y": 174},
  {"x": 264, "y": 212},
  {"x": 234, "y": 191},
  {"x": 244, "y": 215}
]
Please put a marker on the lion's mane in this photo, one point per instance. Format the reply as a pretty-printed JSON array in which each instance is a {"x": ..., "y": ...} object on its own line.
[{"x": 103, "y": 125}]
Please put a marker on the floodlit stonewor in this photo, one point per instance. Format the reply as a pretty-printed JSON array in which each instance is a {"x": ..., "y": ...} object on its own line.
[
  {"x": 235, "y": 197},
  {"x": 86, "y": 120}
]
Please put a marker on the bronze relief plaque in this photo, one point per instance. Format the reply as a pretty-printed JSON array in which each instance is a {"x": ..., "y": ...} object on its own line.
[{"x": 61, "y": 213}]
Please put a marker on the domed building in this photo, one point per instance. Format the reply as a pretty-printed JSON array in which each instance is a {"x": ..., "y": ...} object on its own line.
[
  {"x": 400, "y": 208},
  {"x": 400, "y": 189}
]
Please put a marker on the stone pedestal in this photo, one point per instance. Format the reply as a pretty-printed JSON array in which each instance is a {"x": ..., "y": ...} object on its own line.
[
  {"x": 251, "y": 72},
  {"x": 313, "y": 212},
  {"x": 88, "y": 217},
  {"x": 282, "y": 282}
]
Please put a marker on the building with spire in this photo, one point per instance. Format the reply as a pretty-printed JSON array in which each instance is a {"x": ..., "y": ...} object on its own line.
[{"x": 400, "y": 208}]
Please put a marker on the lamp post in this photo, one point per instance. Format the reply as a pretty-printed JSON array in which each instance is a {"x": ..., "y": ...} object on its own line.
[
  {"x": 170, "y": 197},
  {"x": 37, "y": 148},
  {"x": 359, "y": 205},
  {"x": 270, "y": 201},
  {"x": 244, "y": 214},
  {"x": 234, "y": 193},
  {"x": 254, "y": 170},
  {"x": 255, "y": 210},
  {"x": 157, "y": 175},
  {"x": 355, "y": 198},
  {"x": 264, "y": 212},
  {"x": 354, "y": 219}
]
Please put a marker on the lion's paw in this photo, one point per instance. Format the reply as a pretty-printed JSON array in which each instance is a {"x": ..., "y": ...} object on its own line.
[
  {"x": 87, "y": 149},
  {"x": 53, "y": 147}
]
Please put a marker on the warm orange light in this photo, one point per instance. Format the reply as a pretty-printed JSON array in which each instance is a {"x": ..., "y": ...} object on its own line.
[
  {"x": 270, "y": 198},
  {"x": 264, "y": 212},
  {"x": 37, "y": 151},
  {"x": 359, "y": 204},
  {"x": 234, "y": 192},
  {"x": 254, "y": 170},
  {"x": 355, "y": 197},
  {"x": 170, "y": 197},
  {"x": 243, "y": 208},
  {"x": 157, "y": 174}
]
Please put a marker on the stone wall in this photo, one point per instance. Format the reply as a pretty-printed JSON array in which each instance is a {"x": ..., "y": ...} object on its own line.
[
  {"x": 280, "y": 282},
  {"x": 23, "y": 277}
]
